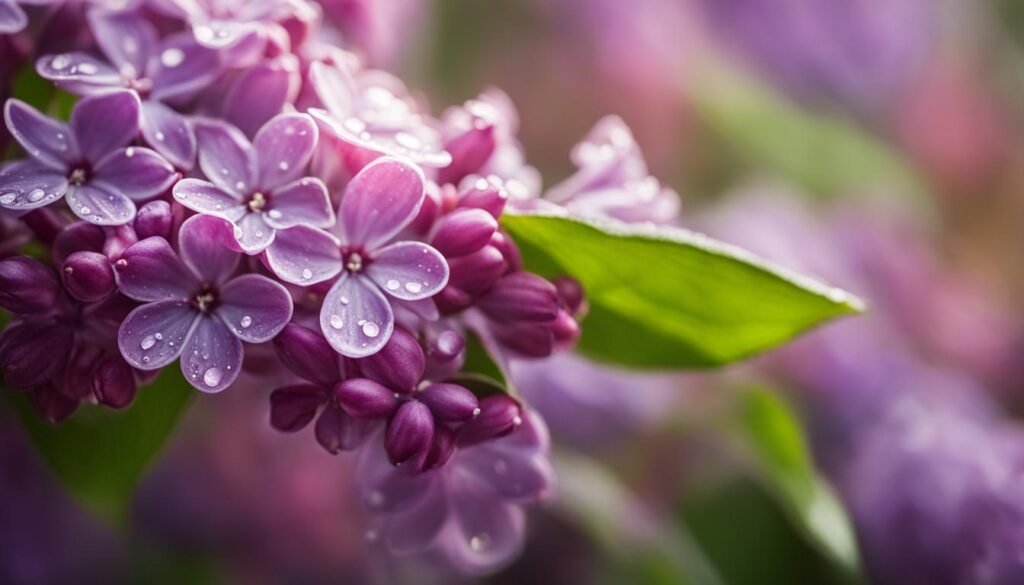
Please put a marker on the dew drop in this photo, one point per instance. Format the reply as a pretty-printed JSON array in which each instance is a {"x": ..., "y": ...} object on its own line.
[
  {"x": 246, "y": 322},
  {"x": 336, "y": 322},
  {"x": 370, "y": 329},
  {"x": 86, "y": 211},
  {"x": 145, "y": 359},
  {"x": 148, "y": 342},
  {"x": 392, "y": 284},
  {"x": 413, "y": 287},
  {"x": 239, "y": 185},
  {"x": 158, "y": 336},
  {"x": 212, "y": 377},
  {"x": 60, "y": 62},
  {"x": 343, "y": 300},
  {"x": 283, "y": 165},
  {"x": 172, "y": 57},
  {"x": 480, "y": 542},
  {"x": 160, "y": 136},
  {"x": 129, "y": 152},
  {"x": 87, "y": 69},
  {"x": 274, "y": 214},
  {"x": 7, "y": 198},
  {"x": 307, "y": 274},
  {"x": 36, "y": 195}
]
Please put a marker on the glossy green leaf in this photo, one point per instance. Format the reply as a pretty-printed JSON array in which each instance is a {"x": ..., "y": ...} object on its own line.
[
  {"x": 99, "y": 454},
  {"x": 669, "y": 298},
  {"x": 482, "y": 372}
]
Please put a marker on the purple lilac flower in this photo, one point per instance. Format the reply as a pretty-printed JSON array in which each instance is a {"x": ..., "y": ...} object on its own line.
[
  {"x": 377, "y": 29},
  {"x": 194, "y": 305},
  {"x": 164, "y": 72},
  {"x": 357, "y": 318},
  {"x": 89, "y": 163},
  {"x": 259, "y": 187}
]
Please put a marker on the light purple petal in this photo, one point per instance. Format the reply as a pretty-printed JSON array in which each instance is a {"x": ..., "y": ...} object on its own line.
[
  {"x": 334, "y": 87},
  {"x": 355, "y": 318},
  {"x": 181, "y": 68},
  {"x": 484, "y": 534},
  {"x": 149, "y": 270},
  {"x": 12, "y": 18},
  {"x": 303, "y": 255},
  {"x": 79, "y": 73},
  {"x": 100, "y": 206},
  {"x": 384, "y": 488},
  {"x": 284, "y": 146},
  {"x": 208, "y": 247},
  {"x": 125, "y": 37},
  {"x": 261, "y": 93},
  {"x": 139, "y": 173},
  {"x": 304, "y": 202},
  {"x": 516, "y": 476},
  {"x": 414, "y": 529},
  {"x": 205, "y": 197},
  {"x": 409, "y": 270},
  {"x": 29, "y": 185},
  {"x": 381, "y": 200},
  {"x": 47, "y": 140},
  {"x": 253, "y": 234},
  {"x": 212, "y": 356},
  {"x": 254, "y": 307},
  {"x": 105, "y": 122},
  {"x": 154, "y": 334},
  {"x": 226, "y": 156},
  {"x": 169, "y": 133},
  {"x": 229, "y": 35}
]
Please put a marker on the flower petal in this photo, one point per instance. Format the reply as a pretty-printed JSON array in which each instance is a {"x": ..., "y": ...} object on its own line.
[
  {"x": 47, "y": 140},
  {"x": 205, "y": 197},
  {"x": 125, "y": 37},
  {"x": 212, "y": 356},
  {"x": 254, "y": 307},
  {"x": 149, "y": 270},
  {"x": 355, "y": 318},
  {"x": 337, "y": 431},
  {"x": 414, "y": 529},
  {"x": 100, "y": 206},
  {"x": 516, "y": 476},
  {"x": 293, "y": 407},
  {"x": 486, "y": 532},
  {"x": 253, "y": 234},
  {"x": 304, "y": 202},
  {"x": 169, "y": 133},
  {"x": 154, "y": 334},
  {"x": 303, "y": 255},
  {"x": 225, "y": 156},
  {"x": 105, "y": 122},
  {"x": 409, "y": 270},
  {"x": 181, "y": 68},
  {"x": 207, "y": 246},
  {"x": 138, "y": 173},
  {"x": 284, "y": 146},
  {"x": 381, "y": 200},
  {"x": 261, "y": 92},
  {"x": 12, "y": 18},
  {"x": 78, "y": 73},
  {"x": 29, "y": 185}
]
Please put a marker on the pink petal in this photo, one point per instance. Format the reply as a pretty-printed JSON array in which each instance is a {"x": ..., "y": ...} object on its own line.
[
  {"x": 284, "y": 146},
  {"x": 47, "y": 140},
  {"x": 381, "y": 200},
  {"x": 78, "y": 73},
  {"x": 205, "y": 197},
  {"x": 100, "y": 206},
  {"x": 169, "y": 133},
  {"x": 125, "y": 37},
  {"x": 138, "y": 173},
  {"x": 29, "y": 185},
  {"x": 261, "y": 93},
  {"x": 254, "y": 307},
  {"x": 181, "y": 68},
  {"x": 409, "y": 270},
  {"x": 12, "y": 18},
  {"x": 253, "y": 234},
  {"x": 304, "y": 202},
  {"x": 303, "y": 255},
  {"x": 105, "y": 122},
  {"x": 154, "y": 334},
  {"x": 212, "y": 356},
  {"x": 207, "y": 246},
  {"x": 355, "y": 318},
  {"x": 149, "y": 270},
  {"x": 334, "y": 87},
  {"x": 226, "y": 156}
]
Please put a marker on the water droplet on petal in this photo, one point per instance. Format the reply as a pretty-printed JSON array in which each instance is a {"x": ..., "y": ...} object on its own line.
[
  {"x": 283, "y": 165},
  {"x": 307, "y": 274},
  {"x": 393, "y": 284},
  {"x": 343, "y": 300},
  {"x": 172, "y": 57},
  {"x": 7, "y": 198},
  {"x": 148, "y": 342},
  {"x": 413, "y": 287},
  {"x": 129, "y": 152},
  {"x": 337, "y": 322},
  {"x": 370, "y": 329},
  {"x": 87, "y": 69},
  {"x": 274, "y": 214},
  {"x": 212, "y": 377},
  {"x": 246, "y": 322},
  {"x": 159, "y": 136},
  {"x": 480, "y": 542},
  {"x": 36, "y": 195}
]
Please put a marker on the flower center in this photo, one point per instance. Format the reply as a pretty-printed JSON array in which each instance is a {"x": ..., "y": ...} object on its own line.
[
  {"x": 79, "y": 175},
  {"x": 354, "y": 262},
  {"x": 206, "y": 299},
  {"x": 257, "y": 202},
  {"x": 141, "y": 85}
]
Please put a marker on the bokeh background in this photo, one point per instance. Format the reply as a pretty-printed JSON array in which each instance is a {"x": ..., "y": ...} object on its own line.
[{"x": 877, "y": 144}]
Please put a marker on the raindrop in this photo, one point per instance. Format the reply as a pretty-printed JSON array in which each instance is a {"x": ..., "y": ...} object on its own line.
[
  {"x": 413, "y": 287},
  {"x": 86, "y": 211},
  {"x": 145, "y": 359},
  {"x": 307, "y": 274},
  {"x": 393, "y": 284},
  {"x": 212, "y": 377},
  {"x": 336, "y": 322},
  {"x": 36, "y": 195},
  {"x": 246, "y": 322},
  {"x": 158, "y": 336},
  {"x": 343, "y": 300},
  {"x": 283, "y": 165},
  {"x": 371, "y": 329},
  {"x": 480, "y": 542},
  {"x": 160, "y": 136},
  {"x": 148, "y": 342},
  {"x": 7, "y": 198},
  {"x": 172, "y": 57},
  {"x": 239, "y": 185},
  {"x": 274, "y": 214},
  {"x": 60, "y": 62},
  {"x": 88, "y": 69},
  {"x": 129, "y": 152}
]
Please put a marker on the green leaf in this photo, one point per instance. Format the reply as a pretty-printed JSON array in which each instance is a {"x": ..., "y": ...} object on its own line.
[
  {"x": 670, "y": 298},
  {"x": 482, "y": 372},
  {"x": 100, "y": 454}
]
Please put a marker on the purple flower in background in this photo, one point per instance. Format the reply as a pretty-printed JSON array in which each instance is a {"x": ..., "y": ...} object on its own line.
[
  {"x": 162, "y": 71},
  {"x": 12, "y": 18},
  {"x": 357, "y": 318},
  {"x": 257, "y": 186},
  {"x": 89, "y": 163},
  {"x": 194, "y": 306}
]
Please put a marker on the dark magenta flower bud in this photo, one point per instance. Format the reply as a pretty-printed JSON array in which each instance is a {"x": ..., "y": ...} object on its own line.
[
  {"x": 449, "y": 402},
  {"x": 521, "y": 297},
  {"x": 27, "y": 287},
  {"x": 470, "y": 152},
  {"x": 307, "y": 354},
  {"x": 292, "y": 407},
  {"x": 77, "y": 237},
  {"x": 441, "y": 449},
  {"x": 463, "y": 232},
  {"x": 398, "y": 365},
  {"x": 487, "y": 195},
  {"x": 499, "y": 416},
  {"x": 532, "y": 340},
  {"x": 410, "y": 432},
  {"x": 154, "y": 219},
  {"x": 363, "y": 398},
  {"x": 447, "y": 346},
  {"x": 113, "y": 383},
  {"x": 51, "y": 405},
  {"x": 88, "y": 276},
  {"x": 33, "y": 353},
  {"x": 119, "y": 238},
  {"x": 570, "y": 294},
  {"x": 478, "y": 271},
  {"x": 508, "y": 250},
  {"x": 565, "y": 329},
  {"x": 452, "y": 299},
  {"x": 337, "y": 431},
  {"x": 429, "y": 211}
]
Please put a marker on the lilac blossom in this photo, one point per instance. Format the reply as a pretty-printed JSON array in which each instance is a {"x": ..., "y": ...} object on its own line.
[
  {"x": 259, "y": 187},
  {"x": 89, "y": 163},
  {"x": 357, "y": 316},
  {"x": 164, "y": 72},
  {"x": 194, "y": 305}
]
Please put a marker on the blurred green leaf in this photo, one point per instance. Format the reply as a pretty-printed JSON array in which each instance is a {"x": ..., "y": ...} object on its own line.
[
  {"x": 482, "y": 372},
  {"x": 99, "y": 454},
  {"x": 670, "y": 298}
]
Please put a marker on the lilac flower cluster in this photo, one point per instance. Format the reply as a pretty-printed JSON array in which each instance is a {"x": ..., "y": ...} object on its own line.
[{"x": 228, "y": 179}]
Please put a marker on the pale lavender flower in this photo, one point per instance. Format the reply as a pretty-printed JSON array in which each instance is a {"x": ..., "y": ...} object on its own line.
[
  {"x": 195, "y": 307},
  {"x": 357, "y": 317},
  {"x": 260, "y": 187},
  {"x": 89, "y": 161}
]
